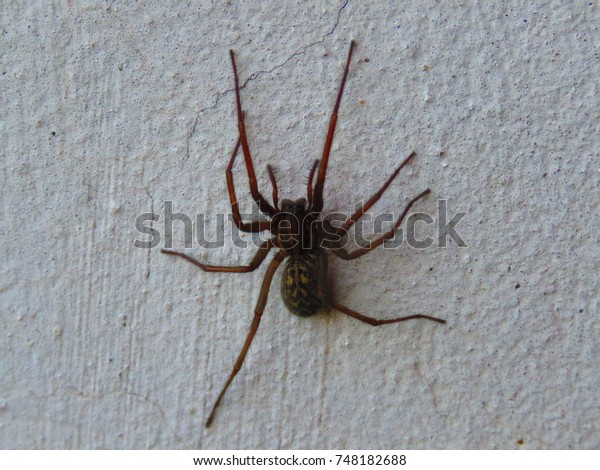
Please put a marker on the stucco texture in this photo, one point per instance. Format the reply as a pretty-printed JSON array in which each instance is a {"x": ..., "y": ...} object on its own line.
[{"x": 111, "y": 109}]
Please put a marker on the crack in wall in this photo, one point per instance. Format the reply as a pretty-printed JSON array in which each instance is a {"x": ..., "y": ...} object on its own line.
[
  {"x": 220, "y": 95},
  {"x": 299, "y": 52},
  {"x": 147, "y": 273}
]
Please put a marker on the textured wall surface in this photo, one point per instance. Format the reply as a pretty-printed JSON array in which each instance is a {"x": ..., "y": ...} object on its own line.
[{"x": 110, "y": 109}]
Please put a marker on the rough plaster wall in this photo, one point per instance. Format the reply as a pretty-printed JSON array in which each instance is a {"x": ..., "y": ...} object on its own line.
[{"x": 111, "y": 108}]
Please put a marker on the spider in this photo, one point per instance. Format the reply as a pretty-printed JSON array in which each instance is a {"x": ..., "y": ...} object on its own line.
[{"x": 300, "y": 235}]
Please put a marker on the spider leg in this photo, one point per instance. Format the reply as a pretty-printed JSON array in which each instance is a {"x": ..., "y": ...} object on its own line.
[
  {"x": 375, "y": 322},
  {"x": 358, "y": 214},
  {"x": 309, "y": 187},
  {"x": 386, "y": 236},
  {"x": 259, "y": 257},
  {"x": 253, "y": 227},
  {"x": 318, "y": 192},
  {"x": 263, "y": 205},
  {"x": 258, "y": 311},
  {"x": 274, "y": 184}
]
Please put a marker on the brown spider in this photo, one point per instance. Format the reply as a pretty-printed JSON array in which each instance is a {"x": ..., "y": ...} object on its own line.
[{"x": 300, "y": 235}]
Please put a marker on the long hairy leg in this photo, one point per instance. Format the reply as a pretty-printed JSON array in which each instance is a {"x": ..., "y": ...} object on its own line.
[
  {"x": 258, "y": 311},
  {"x": 318, "y": 192}
]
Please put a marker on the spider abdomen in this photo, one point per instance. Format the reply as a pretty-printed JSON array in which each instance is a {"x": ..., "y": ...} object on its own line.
[{"x": 304, "y": 284}]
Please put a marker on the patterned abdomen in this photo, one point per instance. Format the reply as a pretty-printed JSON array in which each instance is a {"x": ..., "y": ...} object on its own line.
[{"x": 304, "y": 285}]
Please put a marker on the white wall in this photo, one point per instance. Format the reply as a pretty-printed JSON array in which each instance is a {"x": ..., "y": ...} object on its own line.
[{"x": 110, "y": 109}]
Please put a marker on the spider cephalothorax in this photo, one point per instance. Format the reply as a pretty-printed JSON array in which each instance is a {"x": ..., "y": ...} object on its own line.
[
  {"x": 300, "y": 236},
  {"x": 294, "y": 228}
]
